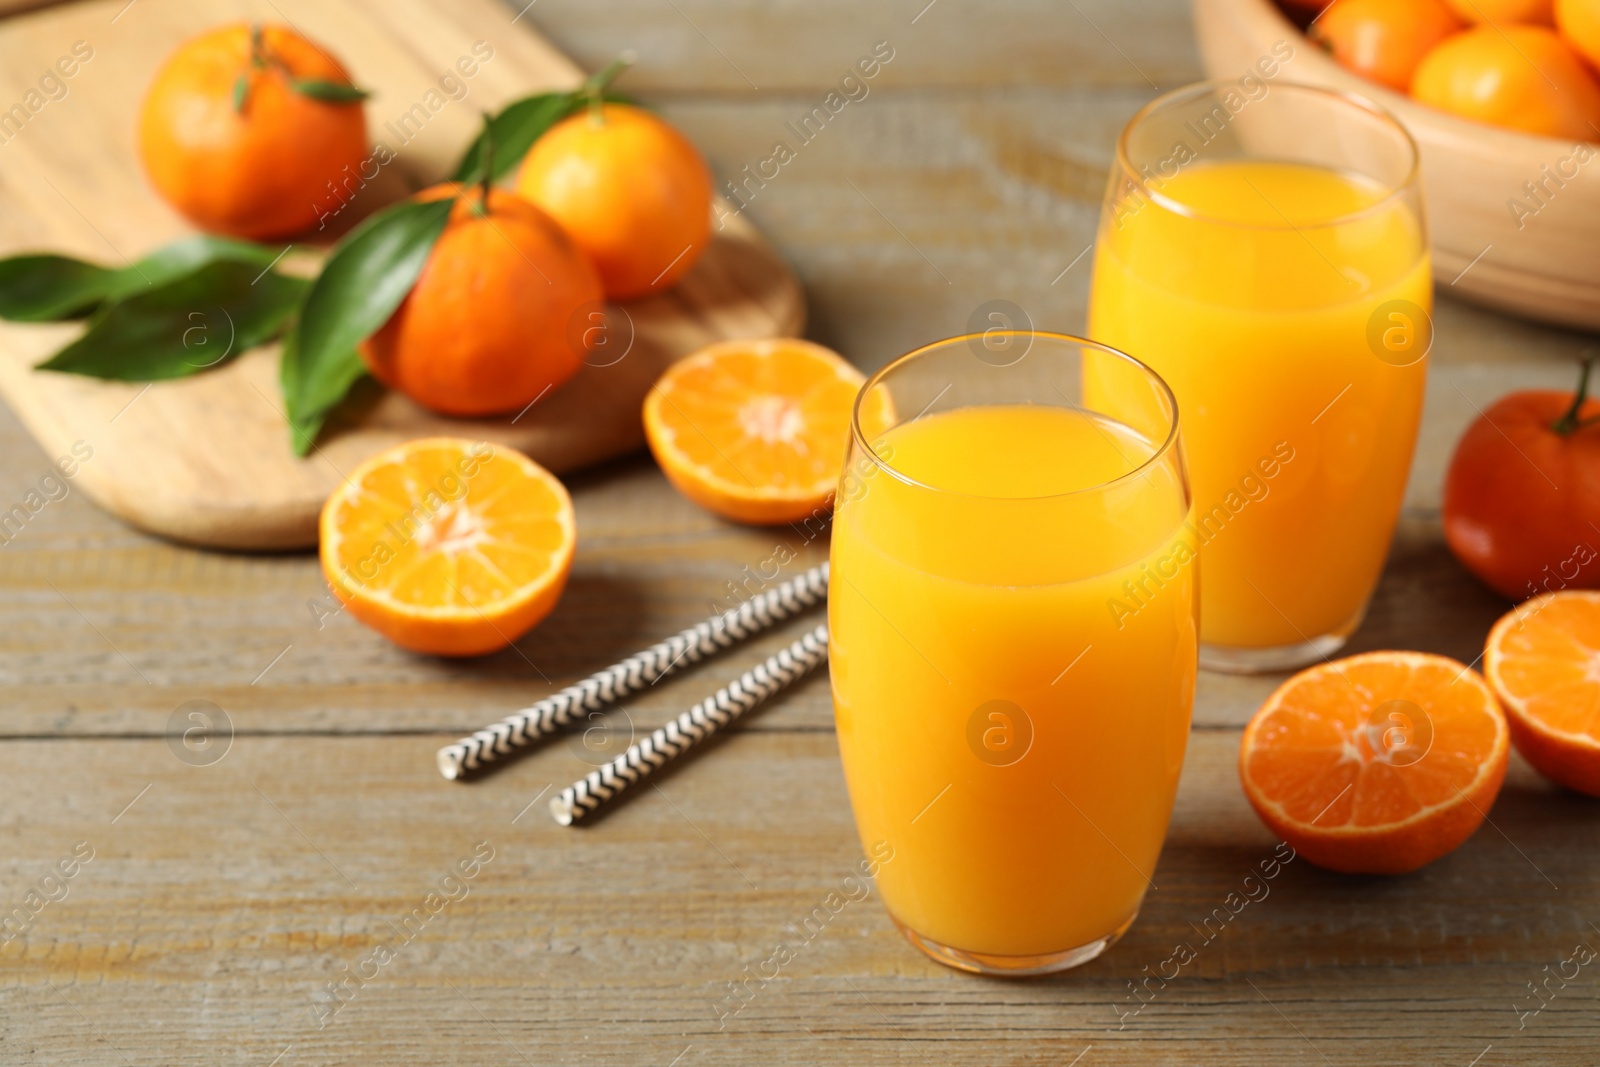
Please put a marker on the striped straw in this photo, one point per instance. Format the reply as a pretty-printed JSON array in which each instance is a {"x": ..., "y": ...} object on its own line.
[
  {"x": 583, "y": 797},
  {"x": 559, "y": 710}
]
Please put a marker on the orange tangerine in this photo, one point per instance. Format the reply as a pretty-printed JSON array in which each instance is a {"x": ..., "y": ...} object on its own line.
[
  {"x": 1384, "y": 39},
  {"x": 1378, "y": 763},
  {"x": 1520, "y": 77},
  {"x": 755, "y": 431},
  {"x": 239, "y": 133},
  {"x": 1579, "y": 23},
  {"x": 1503, "y": 12},
  {"x": 487, "y": 328},
  {"x": 1543, "y": 660},
  {"x": 632, "y": 191},
  {"x": 449, "y": 546}
]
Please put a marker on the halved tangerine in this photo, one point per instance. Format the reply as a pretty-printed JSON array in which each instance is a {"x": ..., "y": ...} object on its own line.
[
  {"x": 449, "y": 546},
  {"x": 1378, "y": 763},
  {"x": 755, "y": 431},
  {"x": 1543, "y": 660}
]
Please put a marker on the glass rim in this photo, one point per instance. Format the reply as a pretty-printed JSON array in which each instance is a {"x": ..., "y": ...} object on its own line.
[
  {"x": 1162, "y": 450},
  {"x": 1393, "y": 191}
]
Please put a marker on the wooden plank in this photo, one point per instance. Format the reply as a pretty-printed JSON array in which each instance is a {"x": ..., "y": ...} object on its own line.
[
  {"x": 699, "y": 46},
  {"x": 244, "y": 637},
  {"x": 218, "y": 906},
  {"x": 108, "y": 609},
  {"x": 207, "y": 924}
]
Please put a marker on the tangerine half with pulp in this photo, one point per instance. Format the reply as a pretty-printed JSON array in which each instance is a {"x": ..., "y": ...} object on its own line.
[
  {"x": 448, "y": 546},
  {"x": 1378, "y": 763}
]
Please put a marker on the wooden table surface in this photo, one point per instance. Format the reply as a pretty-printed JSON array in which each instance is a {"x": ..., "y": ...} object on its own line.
[{"x": 223, "y": 898}]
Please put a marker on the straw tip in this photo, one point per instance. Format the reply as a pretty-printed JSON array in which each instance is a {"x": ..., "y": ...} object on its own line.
[
  {"x": 449, "y": 762},
  {"x": 561, "y": 809}
]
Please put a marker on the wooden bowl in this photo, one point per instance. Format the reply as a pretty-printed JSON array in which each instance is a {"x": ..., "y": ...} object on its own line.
[{"x": 1541, "y": 259}]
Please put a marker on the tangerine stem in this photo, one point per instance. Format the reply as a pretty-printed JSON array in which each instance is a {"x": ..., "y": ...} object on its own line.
[
  {"x": 487, "y": 162},
  {"x": 241, "y": 84},
  {"x": 1570, "y": 423},
  {"x": 594, "y": 87}
]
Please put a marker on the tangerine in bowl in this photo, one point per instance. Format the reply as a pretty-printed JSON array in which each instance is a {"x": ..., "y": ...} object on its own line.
[{"x": 1514, "y": 214}]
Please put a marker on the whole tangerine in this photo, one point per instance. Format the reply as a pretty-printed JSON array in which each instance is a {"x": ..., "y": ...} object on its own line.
[
  {"x": 630, "y": 189},
  {"x": 1384, "y": 40},
  {"x": 245, "y": 130},
  {"x": 1504, "y": 12},
  {"x": 1522, "y": 492},
  {"x": 487, "y": 329},
  {"x": 1519, "y": 77},
  {"x": 1579, "y": 23}
]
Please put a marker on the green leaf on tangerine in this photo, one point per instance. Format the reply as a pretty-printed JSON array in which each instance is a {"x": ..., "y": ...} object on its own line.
[{"x": 369, "y": 274}]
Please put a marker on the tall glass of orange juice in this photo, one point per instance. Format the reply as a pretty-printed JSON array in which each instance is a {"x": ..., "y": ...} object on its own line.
[
  {"x": 1011, "y": 742},
  {"x": 1265, "y": 250}
]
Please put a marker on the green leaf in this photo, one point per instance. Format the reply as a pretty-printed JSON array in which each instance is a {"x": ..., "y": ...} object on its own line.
[
  {"x": 49, "y": 288},
  {"x": 241, "y": 92},
  {"x": 521, "y": 123},
  {"x": 329, "y": 92},
  {"x": 173, "y": 261},
  {"x": 514, "y": 130},
  {"x": 184, "y": 325},
  {"x": 320, "y": 397},
  {"x": 364, "y": 281}
]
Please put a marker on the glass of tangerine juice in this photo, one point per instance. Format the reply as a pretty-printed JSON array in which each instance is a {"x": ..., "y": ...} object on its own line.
[
  {"x": 1010, "y": 742},
  {"x": 1266, "y": 251}
]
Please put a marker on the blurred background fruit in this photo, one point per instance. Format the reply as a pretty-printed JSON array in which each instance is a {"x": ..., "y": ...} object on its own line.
[
  {"x": 243, "y": 129},
  {"x": 1514, "y": 216},
  {"x": 487, "y": 327},
  {"x": 630, "y": 189},
  {"x": 1503, "y": 12},
  {"x": 1384, "y": 40},
  {"x": 1519, "y": 77},
  {"x": 1579, "y": 22},
  {"x": 1522, "y": 492},
  {"x": 1500, "y": 62}
]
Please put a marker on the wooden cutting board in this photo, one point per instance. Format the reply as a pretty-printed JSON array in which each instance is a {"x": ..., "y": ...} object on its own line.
[{"x": 206, "y": 459}]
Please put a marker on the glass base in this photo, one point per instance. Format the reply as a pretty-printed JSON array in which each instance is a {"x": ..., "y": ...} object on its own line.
[
  {"x": 1229, "y": 659},
  {"x": 1235, "y": 659},
  {"x": 1012, "y": 966}
]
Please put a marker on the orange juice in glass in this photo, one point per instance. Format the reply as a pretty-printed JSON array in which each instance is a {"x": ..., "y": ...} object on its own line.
[
  {"x": 1268, "y": 256},
  {"x": 1011, "y": 739}
]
